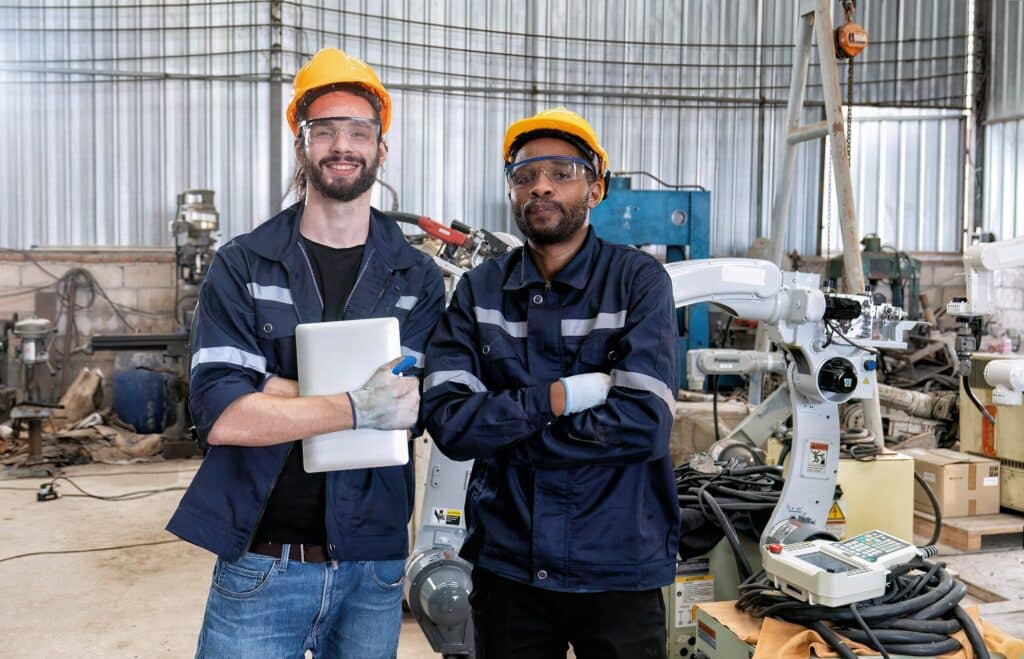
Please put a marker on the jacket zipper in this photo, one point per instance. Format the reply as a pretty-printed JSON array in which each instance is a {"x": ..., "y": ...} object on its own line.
[
  {"x": 266, "y": 499},
  {"x": 280, "y": 470},
  {"x": 344, "y": 310},
  {"x": 383, "y": 290},
  {"x": 312, "y": 275}
]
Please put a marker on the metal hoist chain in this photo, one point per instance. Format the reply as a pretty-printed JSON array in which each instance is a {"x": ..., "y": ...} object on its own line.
[{"x": 849, "y": 109}]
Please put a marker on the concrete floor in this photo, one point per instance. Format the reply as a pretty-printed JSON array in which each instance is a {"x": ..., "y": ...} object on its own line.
[
  {"x": 140, "y": 602},
  {"x": 148, "y": 601}
]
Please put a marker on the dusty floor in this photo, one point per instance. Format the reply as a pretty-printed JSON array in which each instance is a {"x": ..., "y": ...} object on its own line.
[
  {"x": 148, "y": 601},
  {"x": 139, "y": 602}
]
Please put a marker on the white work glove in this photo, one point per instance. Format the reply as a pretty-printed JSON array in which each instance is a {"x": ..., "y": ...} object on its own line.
[
  {"x": 386, "y": 401},
  {"x": 585, "y": 390}
]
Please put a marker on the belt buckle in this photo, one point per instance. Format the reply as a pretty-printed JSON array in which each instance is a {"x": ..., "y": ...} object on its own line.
[{"x": 302, "y": 553}]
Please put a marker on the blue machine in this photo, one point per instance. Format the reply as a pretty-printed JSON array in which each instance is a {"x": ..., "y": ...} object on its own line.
[{"x": 678, "y": 219}]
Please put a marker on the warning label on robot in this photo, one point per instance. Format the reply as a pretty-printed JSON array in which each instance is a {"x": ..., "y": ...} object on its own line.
[
  {"x": 448, "y": 516},
  {"x": 694, "y": 585},
  {"x": 836, "y": 521},
  {"x": 817, "y": 457}
]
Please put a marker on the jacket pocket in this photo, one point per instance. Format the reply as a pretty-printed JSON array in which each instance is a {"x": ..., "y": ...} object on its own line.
[
  {"x": 501, "y": 360},
  {"x": 596, "y": 354},
  {"x": 275, "y": 334}
]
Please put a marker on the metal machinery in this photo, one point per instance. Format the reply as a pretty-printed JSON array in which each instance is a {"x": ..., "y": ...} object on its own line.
[
  {"x": 898, "y": 269},
  {"x": 991, "y": 426},
  {"x": 193, "y": 228},
  {"x": 34, "y": 334},
  {"x": 673, "y": 224},
  {"x": 8, "y": 394},
  {"x": 827, "y": 342},
  {"x": 438, "y": 583},
  {"x": 196, "y": 221},
  {"x": 997, "y": 391}
]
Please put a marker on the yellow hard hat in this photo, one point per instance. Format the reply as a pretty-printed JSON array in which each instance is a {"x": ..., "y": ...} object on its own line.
[
  {"x": 332, "y": 66},
  {"x": 564, "y": 121}
]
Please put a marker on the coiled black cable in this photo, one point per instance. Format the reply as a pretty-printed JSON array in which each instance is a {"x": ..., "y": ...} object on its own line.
[
  {"x": 737, "y": 495},
  {"x": 915, "y": 617}
]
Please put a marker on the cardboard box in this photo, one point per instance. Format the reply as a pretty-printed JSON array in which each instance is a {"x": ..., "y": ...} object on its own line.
[{"x": 964, "y": 484}]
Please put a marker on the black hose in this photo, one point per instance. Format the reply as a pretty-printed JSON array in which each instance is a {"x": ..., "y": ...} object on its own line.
[
  {"x": 977, "y": 403},
  {"x": 977, "y": 642},
  {"x": 786, "y": 448},
  {"x": 730, "y": 535},
  {"x": 874, "y": 642},
  {"x": 738, "y": 496},
  {"x": 833, "y": 639},
  {"x": 937, "y": 531}
]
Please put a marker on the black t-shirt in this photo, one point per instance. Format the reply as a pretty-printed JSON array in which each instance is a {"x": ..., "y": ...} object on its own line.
[{"x": 296, "y": 508}]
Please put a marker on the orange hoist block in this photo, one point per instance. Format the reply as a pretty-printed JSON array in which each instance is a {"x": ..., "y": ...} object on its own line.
[{"x": 851, "y": 39}]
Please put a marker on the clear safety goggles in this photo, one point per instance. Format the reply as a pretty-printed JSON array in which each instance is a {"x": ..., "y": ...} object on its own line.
[
  {"x": 359, "y": 131},
  {"x": 559, "y": 170}
]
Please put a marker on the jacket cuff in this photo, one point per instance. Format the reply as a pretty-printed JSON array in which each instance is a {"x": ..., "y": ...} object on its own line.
[
  {"x": 208, "y": 405},
  {"x": 538, "y": 403}
]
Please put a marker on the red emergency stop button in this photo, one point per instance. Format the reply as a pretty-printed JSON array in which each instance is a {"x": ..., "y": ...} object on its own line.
[{"x": 775, "y": 548}]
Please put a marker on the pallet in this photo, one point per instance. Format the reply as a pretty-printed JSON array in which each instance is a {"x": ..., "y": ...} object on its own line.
[{"x": 974, "y": 533}]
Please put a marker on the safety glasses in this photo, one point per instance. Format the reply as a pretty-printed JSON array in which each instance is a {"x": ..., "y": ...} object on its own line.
[
  {"x": 560, "y": 170},
  {"x": 359, "y": 131}
]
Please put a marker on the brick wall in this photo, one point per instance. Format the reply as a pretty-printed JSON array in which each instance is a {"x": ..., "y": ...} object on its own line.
[
  {"x": 1010, "y": 299},
  {"x": 141, "y": 281}
]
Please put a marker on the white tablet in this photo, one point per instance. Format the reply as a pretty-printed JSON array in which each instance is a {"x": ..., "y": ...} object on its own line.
[{"x": 341, "y": 356}]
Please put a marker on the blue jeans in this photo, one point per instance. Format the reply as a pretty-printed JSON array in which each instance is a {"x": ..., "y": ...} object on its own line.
[{"x": 261, "y": 606}]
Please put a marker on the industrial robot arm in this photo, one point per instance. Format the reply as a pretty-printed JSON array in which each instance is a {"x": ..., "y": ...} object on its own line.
[
  {"x": 829, "y": 344},
  {"x": 748, "y": 288},
  {"x": 981, "y": 262}
]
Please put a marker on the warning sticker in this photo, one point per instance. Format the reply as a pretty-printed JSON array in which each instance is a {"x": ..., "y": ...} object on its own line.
[
  {"x": 448, "y": 516},
  {"x": 691, "y": 591},
  {"x": 836, "y": 521},
  {"x": 817, "y": 457}
]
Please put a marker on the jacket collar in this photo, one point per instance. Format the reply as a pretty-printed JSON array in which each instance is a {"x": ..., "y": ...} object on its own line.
[
  {"x": 277, "y": 239},
  {"x": 576, "y": 272}
]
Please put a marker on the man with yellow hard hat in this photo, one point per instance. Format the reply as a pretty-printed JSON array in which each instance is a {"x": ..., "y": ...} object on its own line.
[
  {"x": 555, "y": 369},
  {"x": 307, "y": 561}
]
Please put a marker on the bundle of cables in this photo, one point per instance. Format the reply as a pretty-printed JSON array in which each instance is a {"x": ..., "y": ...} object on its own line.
[
  {"x": 725, "y": 501},
  {"x": 916, "y": 616}
]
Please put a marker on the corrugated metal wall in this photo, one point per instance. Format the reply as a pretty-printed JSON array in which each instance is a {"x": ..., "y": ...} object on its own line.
[
  {"x": 1003, "y": 192},
  {"x": 691, "y": 91},
  {"x": 907, "y": 170}
]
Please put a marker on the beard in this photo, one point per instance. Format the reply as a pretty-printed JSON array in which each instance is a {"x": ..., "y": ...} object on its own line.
[
  {"x": 341, "y": 190},
  {"x": 572, "y": 218}
]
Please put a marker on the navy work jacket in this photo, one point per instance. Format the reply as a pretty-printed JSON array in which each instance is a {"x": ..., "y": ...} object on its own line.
[
  {"x": 259, "y": 287},
  {"x": 584, "y": 502}
]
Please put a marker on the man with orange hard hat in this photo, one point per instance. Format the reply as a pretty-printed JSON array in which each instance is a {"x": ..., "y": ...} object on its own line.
[
  {"x": 554, "y": 368},
  {"x": 307, "y": 561}
]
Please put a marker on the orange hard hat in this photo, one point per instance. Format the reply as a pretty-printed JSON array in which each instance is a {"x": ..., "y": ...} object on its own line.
[
  {"x": 332, "y": 66},
  {"x": 563, "y": 121}
]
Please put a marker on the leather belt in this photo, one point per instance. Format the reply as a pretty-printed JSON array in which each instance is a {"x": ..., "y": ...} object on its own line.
[{"x": 300, "y": 553}]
